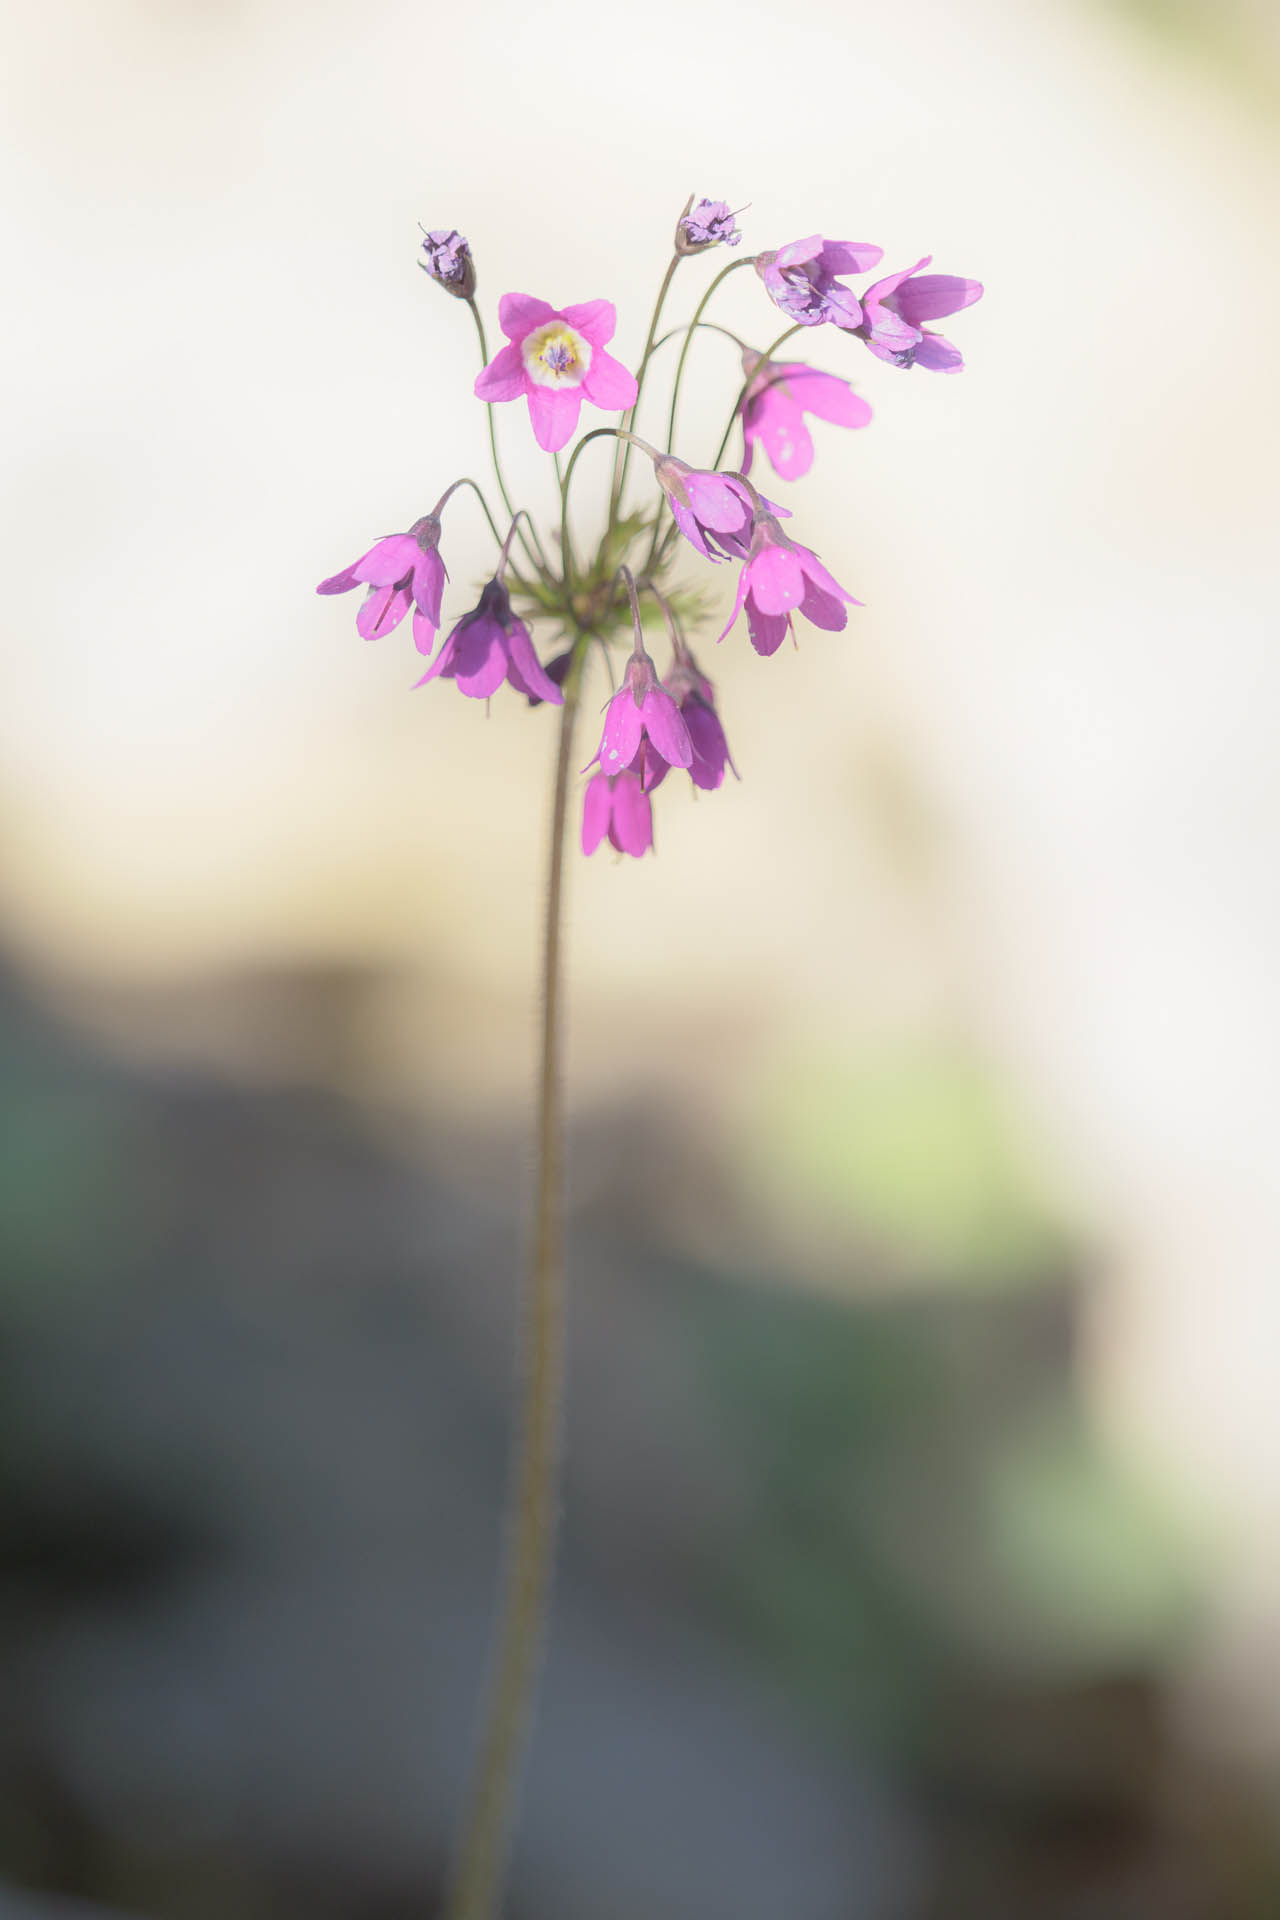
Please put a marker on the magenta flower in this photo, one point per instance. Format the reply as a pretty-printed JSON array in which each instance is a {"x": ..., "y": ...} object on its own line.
[
  {"x": 490, "y": 645},
  {"x": 710, "y": 509},
  {"x": 400, "y": 571},
  {"x": 642, "y": 712},
  {"x": 781, "y": 578},
  {"x": 617, "y": 804},
  {"x": 895, "y": 308},
  {"x": 774, "y": 409},
  {"x": 801, "y": 279},
  {"x": 556, "y": 359}
]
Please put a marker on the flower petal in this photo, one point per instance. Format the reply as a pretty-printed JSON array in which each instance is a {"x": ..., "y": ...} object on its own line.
[
  {"x": 821, "y": 578},
  {"x": 520, "y": 313},
  {"x": 382, "y": 609},
  {"x": 743, "y": 583},
  {"x": 823, "y": 609},
  {"x": 597, "y": 808},
  {"x": 597, "y": 319},
  {"x": 554, "y": 412},
  {"x": 934, "y": 295},
  {"x": 525, "y": 672},
  {"x": 829, "y": 398},
  {"x": 720, "y": 503},
  {"x": 787, "y": 441},
  {"x": 938, "y": 355},
  {"x": 340, "y": 582},
  {"x": 428, "y": 585},
  {"x": 767, "y": 630},
  {"x": 608, "y": 385},
  {"x": 631, "y": 829},
  {"x": 480, "y": 658},
  {"x": 424, "y": 632},
  {"x": 664, "y": 724},
  {"x": 442, "y": 664},
  {"x": 684, "y": 519},
  {"x": 710, "y": 748},
  {"x": 850, "y": 256},
  {"x": 504, "y": 378},
  {"x": 777, "y": 579},
  {"x": 623, "y": 727},
  {"x": 388, "y": 561}
]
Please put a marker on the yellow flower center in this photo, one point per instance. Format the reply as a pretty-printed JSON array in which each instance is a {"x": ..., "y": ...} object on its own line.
[{"x": 556, "y": 356}]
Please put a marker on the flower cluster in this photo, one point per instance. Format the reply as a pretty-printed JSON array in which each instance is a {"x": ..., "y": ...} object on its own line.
[{"x": 555, "y": 358}]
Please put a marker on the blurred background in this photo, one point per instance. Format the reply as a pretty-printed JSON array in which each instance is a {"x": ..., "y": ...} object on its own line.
[{"x": 921, "y": 1556}]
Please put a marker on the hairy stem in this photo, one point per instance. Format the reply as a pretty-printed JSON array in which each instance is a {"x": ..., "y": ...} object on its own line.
[{"x": 530, "y": 1547}]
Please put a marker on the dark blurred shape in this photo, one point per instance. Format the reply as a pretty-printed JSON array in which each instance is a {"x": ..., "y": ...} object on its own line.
[{"x": 255, "y": 1379}]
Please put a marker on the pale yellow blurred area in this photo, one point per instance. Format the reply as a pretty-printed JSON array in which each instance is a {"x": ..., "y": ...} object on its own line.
[{"x": 1027, "y": 808}]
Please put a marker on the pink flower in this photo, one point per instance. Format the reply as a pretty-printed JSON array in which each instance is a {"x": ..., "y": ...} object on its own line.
[
  {"x": 490, "y": 645},
  {"x": 896, "y": 306},
  {"x": 782, "y": 577},
  {"x": 400, "y": 571},
  {"x": 710, "y": 509},
  {"x": 642, "y": 713},
  {"x": 801, "y": 279},
  {"x": 774, "y": 409},
  {"x": 557, "y": 360},
  {"x": 617, "y": 805}
]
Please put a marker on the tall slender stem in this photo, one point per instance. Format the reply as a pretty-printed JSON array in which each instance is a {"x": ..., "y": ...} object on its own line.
[
  {"x": 662, "y": 539},
  {"x": 530, "y": 1547},
  {"x": 537, "y": 561},
  {"x": 623, "y": 455},
  {"x": 698, "y": 312}
]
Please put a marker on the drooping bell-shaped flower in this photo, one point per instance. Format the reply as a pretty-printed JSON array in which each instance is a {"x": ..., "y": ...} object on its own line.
[
  {"x": 896, "y": 307},
  {"x": 616, "y": 804},
  {"x": 642, "y": 712},
  {"x": 400, "y": 571},
  {"x": 782, "y": 578},
  {"x": 489, "y": 645},
  {"x": 801, "y": 279},
  {"x": 775, "y": 405}
]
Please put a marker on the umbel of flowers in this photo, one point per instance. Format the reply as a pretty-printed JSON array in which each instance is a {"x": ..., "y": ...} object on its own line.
[
  {"x": 556, "y": 360},
  {"x": 545, "y": 613}
]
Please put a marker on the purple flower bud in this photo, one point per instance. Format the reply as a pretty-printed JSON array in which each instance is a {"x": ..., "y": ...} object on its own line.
[
  {"x": 708, "y": 224},
  {"x": 449, "y": 262}
]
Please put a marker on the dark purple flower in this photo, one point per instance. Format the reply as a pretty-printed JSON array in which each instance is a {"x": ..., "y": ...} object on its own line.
[
  {"x": 695, "y": 696},
  {"x": 708, "y": 224},
  {"x": 895, "y": 307},
  {"x": 400, "y": 571},
  {"x": 781, "y": 578},
  {"x": 490, "y": 645},
  {"x": 774, "y": 409},
  {"x": 449, "y": 262},
  {"x": 642, "y": 712},
  {"x": 801, "y": 279},
  {"x": 617, "y": 804}
]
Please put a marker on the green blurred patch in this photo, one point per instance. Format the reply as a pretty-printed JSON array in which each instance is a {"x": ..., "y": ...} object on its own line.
[{"x": 917, "y": 1154}]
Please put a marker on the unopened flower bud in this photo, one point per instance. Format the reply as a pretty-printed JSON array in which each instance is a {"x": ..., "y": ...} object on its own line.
[{"x": 449, "y": 262}]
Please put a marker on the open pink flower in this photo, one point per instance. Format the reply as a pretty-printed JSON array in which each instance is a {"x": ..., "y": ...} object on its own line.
[
  {"x": 642, "y": 713},
  {"x": 617, "y": 804},
  {"x": 781, "y": 578},
  {"x": 801, "y": 279},
  {"x": 556, "y": 359},
  {"x": 402, "y": 570},
  {"x": 490, "y": 645},
  {"x": 896, "y": 307},
  {"x": 774, "y": 409}
]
